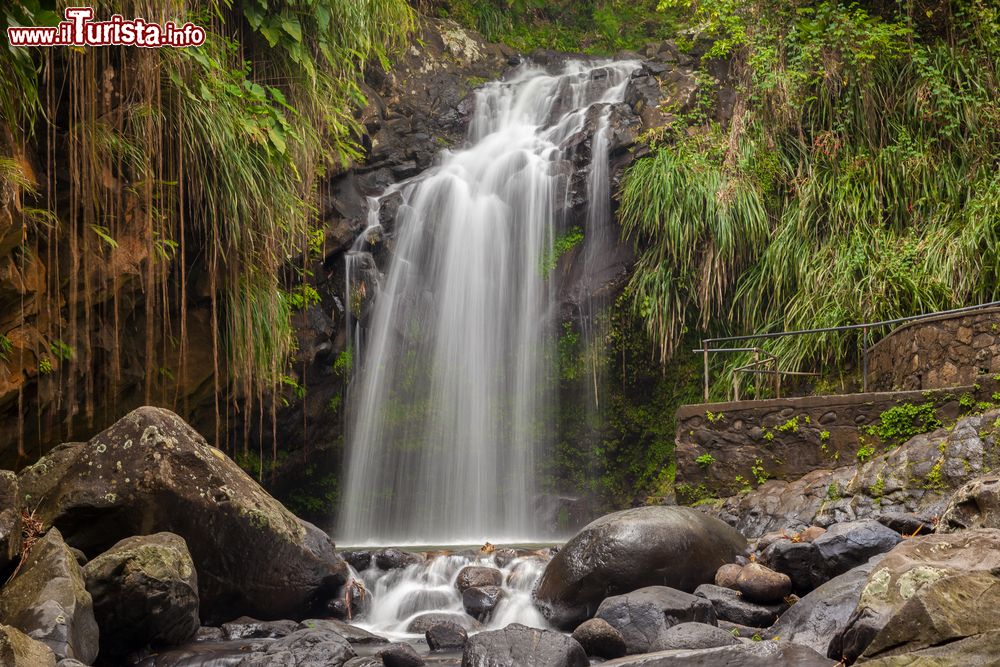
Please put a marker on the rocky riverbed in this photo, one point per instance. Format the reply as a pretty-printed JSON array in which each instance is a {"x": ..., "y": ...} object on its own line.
[{"x": 146, "y": 546}]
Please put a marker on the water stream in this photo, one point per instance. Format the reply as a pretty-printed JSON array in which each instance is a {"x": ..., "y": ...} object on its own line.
[{"x": 448, "y": 411}]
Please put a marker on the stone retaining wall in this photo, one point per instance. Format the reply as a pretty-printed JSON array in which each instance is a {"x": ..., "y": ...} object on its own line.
[
  {"x": 725, "y": 448},
  {"x": 943, "y": 351}
]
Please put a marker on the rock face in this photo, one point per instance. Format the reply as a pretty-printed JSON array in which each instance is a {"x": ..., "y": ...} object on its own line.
[
  {"x": 696, "y": 636},
  {"x": 646, "y": 546},
  {"x": 19, "y": 650},
  {"x": 304, "y": 648},
  {"x": 518, "y": 646},
  {"x": 599, "y": 638},
  {"x": 446, "y": 635},
  {"x": 145, "y": 591},
  {"x": 975, "y": 505},
  {"x": 848, "y": 545},
  {"x": 49, "y": 602},
  {"x": 10, "y": 519},
  {"x": 915, "y": 478},
  {"x": 730, "y": 606},
  {"x": 749, "y": 654},
  {"x": 815, "y": 619},
  {"x": 643, "y": 616},
  {"x": 151, "y": 472},
  {"x": 904, "y": 571}
]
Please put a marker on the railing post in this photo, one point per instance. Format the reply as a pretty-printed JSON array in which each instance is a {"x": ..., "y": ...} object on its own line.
[
  {"x": 864, "y": 360},
  {"x": 704, "y": 349}
]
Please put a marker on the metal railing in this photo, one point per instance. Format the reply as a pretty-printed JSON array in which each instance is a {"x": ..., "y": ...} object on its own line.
[{"x": 763, "y": 358}]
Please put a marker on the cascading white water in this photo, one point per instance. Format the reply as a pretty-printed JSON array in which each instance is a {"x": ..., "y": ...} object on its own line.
[{"x": 448, "y": 409}]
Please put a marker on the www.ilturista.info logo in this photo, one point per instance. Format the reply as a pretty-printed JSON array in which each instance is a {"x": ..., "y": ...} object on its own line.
[{"x": 79, "y": 30}]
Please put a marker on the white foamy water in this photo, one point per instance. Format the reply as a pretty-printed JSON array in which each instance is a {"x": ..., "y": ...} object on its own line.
[{"x": 450, "y": 407}]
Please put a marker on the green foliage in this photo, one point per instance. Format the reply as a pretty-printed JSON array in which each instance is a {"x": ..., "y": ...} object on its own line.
[
  {"x": 714, "y": 417},
  {"x": 6, "y": 345},
  {"x": 833, "y": 492},
  {"x": 705, "y": 460},
  {"x": 563, "y": 244},
  {"x": 62, "y": 351},
  {"x": 790, "y": 426},
  {"x": 344, "y": 363},
  {"x": 878, "y": 488},
  {"x": 934, "y": 479},
  {"x": 303, "y": 296},
  {"x": 858, "y": 181},
  {"x": 824, "y": 436},
  {"x": 901, "y": 422},
  {"x": 759, "y": 472},
  {"x": 865, "y": 453}
]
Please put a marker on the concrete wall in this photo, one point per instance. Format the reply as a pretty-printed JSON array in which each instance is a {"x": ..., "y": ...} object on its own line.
[
  {"x": 787, "y": 438},
  {"x": 933, "y": 353}
]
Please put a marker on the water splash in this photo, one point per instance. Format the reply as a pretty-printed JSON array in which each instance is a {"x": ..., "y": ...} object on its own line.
[{"x": 448, "y": 411}]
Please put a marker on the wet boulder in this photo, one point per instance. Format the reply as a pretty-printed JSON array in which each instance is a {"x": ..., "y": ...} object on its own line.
[
  {"x": 903, "y": 572},
  {"x": 446, "y": 635},
  {"x": 599, "y": 638},
  {"x": 479, "y": 602},
  {"x": 696, "y": 636},
  {"x": 395, "y": 559},
  {"x": 151, "y": 472},
  {"x": 19, "y": 650},
  {"x": 730, "y": 606},
  {"x": 145, "y": 592},
  {"x": 423, "y": 623},
  {"x": 245, "y": 627},
  {"x": 359, "y": 560},
  {"x": 477, "y": 576},
  {"x": 798, "y": 560},
  {"x": 643, "y": 616},
  {"x": 400, "y": 654},
  {"x": 48, "y": 601},
  {"x": 518, "y": 645},
  {"x": 763, "y": 585},
  {"x": 816, "y": 618},
  {"x": 10, "y": 519},
  {"x": 304, "y": 648},
  {"x": 351, "y": 633},
  {"x": 847, "y": 545},
  {"x": 678, "y": 547},
  {"x": 743, "y": 654}
]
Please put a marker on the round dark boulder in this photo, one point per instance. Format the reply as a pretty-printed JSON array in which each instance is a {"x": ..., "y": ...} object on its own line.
[
  {"x": 446, "y": 635},
  {"x": 696, "y": 636},
  {"x": 599, "y": 638},
  {"x": 477, "y": 576},
  {"x": 521, "y": 646},
  {"x": 395, "y": 559},
  {"x": 845, "y": 546},
  {"x": 145, "y": 592},
  {"x": 798, "y": 560},
  {"x": 727, "y": 575},
  {"x": 250, "y": 628},
  {"x": 359, "y": 560},
  {"x": 400, "y": 655},
  {"x": 762, "y": 584},
  {"x": 423, "y": 623},
  {"x": 479, "y": 602},
  {"x": 674, "y": 546},
  {"x": 643, "y": 616}
]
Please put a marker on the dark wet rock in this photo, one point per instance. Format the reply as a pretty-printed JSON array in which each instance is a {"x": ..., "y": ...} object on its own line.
[
  {"x": 975, "y": 651},
  {"x": 49, "y": 602},
  {"x": 10, "y": 519},
  {"x": 739, "y": 630},
  {"x": 520, "y": 646},
  {"x": 69, "y": 662},
  {"x": 727, "y": 575},
  {"x": 912, "y": 565},
  {"x": 847, "y": 545},
  {"x": 304, "y": 648},
  {"x": 974, "y": 505},
  {"x": 676, "y": 546},
  {"x": 145, "y": 592},
  {"x": 207, "y": 633},
  {"x": 364, "y": 661},
  {"x": 400, "y": 655},
  {"x": 477, "y": 576},
  {"x": 19, "y": 650},
  {"x": 643, "y": 616},
  {"x": 446, "y": 635},
  {"x": 763, "y": 585},
  {"x": 359, "y": 560},
  {"x": 251, "y": 628},
  {"x": 946, "y": 610},
  {"x": 504, "y": 557},
  {"x": 696, "y": 636},
  {"x": 599, "y": 638},
  {"x": 744, "y": 654},
  {"x": 797, "y": 560},
  {"x": 423, "y": 623},
  {"x": 353, "y": 601},
  {"x": 906, "y": 523},
  {"x": 151, "y": 472},
  {"x": 395, "y": 559},
  {"x": 730, "y": 606},
  {"x": 351, "y": 633},
  {"x": 815, "y": 619},
  {"x": 480, "y": 601}
]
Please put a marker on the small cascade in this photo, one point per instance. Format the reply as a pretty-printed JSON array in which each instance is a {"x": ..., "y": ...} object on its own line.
[{"x": 402, "y": 602}]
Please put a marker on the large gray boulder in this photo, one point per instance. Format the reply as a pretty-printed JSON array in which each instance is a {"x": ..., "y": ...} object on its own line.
[
  {"x": 696, "y": 636},
  {"x": 816, "y": 618},
  {"x": 599, "y": 638},
  {"x": 10, "y": 519},
  {"x": 731, "y": 606},
  {"x": 975, "y": 505},
  {"x": 48, "y": 601},
  {"x": 303, "y": 648},
  {"x": 520, "y": 646},
  {"x": 150, "y": 472},
  {"x": 847, "y": 545},
  {"x": 903, "y": 572},
  {"x": 145, "y": 592},
  {"x": 19, "y": 650},
  {"x": 643, "y": 616},
  {"x": 748, "y": 654},
  {"x": 678, "y": 547}
]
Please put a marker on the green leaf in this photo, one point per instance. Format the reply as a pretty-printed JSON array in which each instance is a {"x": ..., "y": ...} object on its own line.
[{"x": 291, "y": 25}]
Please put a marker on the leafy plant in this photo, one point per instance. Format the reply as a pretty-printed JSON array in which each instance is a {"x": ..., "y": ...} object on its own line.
[
  {"x": 759, "y": 472},
  {"x": 705, "y": 460},
  {"x": 901, "y": 422}
]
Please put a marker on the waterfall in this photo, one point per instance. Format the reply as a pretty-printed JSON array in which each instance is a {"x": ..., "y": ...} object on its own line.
[{"x": 450, "y": 406}]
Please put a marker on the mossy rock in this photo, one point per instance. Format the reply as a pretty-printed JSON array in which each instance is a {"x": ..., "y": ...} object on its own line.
[{"x": 19, "y": 650}]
